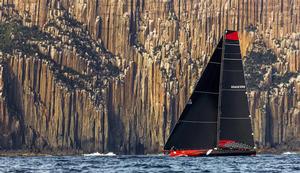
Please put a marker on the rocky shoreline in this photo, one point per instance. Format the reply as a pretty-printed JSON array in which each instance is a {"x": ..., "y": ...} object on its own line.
[{"x": 29, "y": 153}]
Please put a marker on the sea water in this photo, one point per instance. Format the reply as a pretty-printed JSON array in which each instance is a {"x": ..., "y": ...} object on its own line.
[{"x": 287, "y": 162}]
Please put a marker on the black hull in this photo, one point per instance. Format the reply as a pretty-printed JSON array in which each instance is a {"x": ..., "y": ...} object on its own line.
[
  {"x": 232, "y": 153},
  {"x": 210, "y": 153}
]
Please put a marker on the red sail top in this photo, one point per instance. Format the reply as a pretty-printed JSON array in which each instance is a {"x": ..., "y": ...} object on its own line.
[{"x": 232, "y": 36}]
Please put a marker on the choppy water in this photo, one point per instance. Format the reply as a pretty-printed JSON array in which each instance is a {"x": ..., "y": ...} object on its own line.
[{"x": 98, "y": 163}]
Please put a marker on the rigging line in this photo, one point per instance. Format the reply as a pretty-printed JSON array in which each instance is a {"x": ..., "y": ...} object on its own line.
[
  {"x": 214, "y": 62},
  {"x": 235, "y": 118},
  {"x": 231, "y": 44},
  {"x": 232, "y": 41},
  {"x": 205, "y": 92},
  {"x": 202, "y": 122}
]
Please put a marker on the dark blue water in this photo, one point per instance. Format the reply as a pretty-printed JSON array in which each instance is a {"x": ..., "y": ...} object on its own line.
[{"x": 259, "y": 163}]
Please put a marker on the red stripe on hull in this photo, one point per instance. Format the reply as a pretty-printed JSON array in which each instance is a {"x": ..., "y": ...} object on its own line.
[
  {"x": 232, "y": 36},
  {"x": 218, "y": 152},
  {"x": 224, "y": 142},
  {"x": 189, "y": 153}
]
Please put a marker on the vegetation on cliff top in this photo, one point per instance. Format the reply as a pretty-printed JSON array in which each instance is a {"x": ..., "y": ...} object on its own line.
[
  {"x": 258, "y": 63},
  {"x": 6, "y": 36},
  {"x": 15, "y": 36}
]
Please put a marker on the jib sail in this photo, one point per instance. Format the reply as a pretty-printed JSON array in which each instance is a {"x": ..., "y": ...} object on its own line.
[{"x": 197, "y": 125}]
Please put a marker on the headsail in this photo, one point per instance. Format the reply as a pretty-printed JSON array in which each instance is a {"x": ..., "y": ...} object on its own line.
[
  {"x": 235, "y": 119},
  {"x": 197, "y": 126}
]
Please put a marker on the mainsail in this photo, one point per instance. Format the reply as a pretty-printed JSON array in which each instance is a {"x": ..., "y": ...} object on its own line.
[
  {"x": 217, "y": 110},
  {"x": 234, "y": 115}
]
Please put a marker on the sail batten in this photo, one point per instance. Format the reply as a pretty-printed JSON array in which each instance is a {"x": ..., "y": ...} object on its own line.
[
  {"x": 232, "y": 44},
  {"x": 206, "y": 92},
  {"x": 208, "y": 122},
  {"x": 215, "y": 63},
  {"x": 235, "y": 118},
  {"x": 231, "y": 59},
  {"x": 234, "y": 70}
]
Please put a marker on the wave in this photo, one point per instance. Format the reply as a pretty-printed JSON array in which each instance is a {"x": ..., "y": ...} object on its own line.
[
  {"x": 100, "y": 154},
  {"x": 289, "y": 153},
  {"x": 160, "y": 154}
]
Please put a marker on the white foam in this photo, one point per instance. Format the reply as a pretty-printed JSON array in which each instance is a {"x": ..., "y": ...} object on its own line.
[
  {"x": 289, "y": 153},
  {"x": 100, "y": 154},
  {"x": 160, "y": 154}
]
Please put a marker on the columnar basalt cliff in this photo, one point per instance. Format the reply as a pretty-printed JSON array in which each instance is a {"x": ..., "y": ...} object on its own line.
[
  {"x": 274, "y": 97},
  {"x": 97, "y": 75}
]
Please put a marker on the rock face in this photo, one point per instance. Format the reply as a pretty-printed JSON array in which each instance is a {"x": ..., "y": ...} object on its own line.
[
  {"x": 115, "y": 75},
  {"x": 274, "y": 96}
]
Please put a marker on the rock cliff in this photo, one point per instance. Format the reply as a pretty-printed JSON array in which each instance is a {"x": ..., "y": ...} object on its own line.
[{"x": 97, "y": 75}]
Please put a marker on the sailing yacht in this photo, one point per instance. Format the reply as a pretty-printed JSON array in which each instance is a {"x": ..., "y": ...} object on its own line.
[{"x": 216, "y": 120}]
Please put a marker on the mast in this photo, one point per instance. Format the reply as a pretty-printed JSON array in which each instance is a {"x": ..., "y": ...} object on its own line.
[{"x": 220, "y": 89}]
